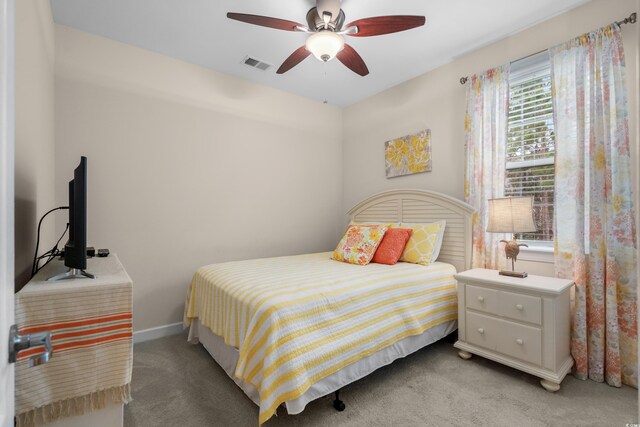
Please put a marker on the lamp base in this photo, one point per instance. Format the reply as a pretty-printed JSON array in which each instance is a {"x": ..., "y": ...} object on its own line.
[{"x": 513, "y": 273}]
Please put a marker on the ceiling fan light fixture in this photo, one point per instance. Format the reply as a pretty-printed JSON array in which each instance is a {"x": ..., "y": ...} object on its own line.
[{"x": 325, "y": 45}]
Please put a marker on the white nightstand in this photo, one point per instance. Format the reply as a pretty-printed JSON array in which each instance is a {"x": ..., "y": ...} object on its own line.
[{"x": 522, "y": 323}]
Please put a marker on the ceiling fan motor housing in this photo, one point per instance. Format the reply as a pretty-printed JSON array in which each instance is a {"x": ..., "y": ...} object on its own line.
[
  {"x": 316, "y": 23},
  {"x": 328, "y": 6}
]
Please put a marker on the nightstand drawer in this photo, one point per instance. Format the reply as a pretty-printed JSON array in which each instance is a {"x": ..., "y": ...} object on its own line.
[
  {"x": 482, "y": 331},
  {"x": 520, "y": 307},
  {"x": 482, "y": 299},
  {"x": 511, "y": 339},
  {"x": 520, "y": 341}
]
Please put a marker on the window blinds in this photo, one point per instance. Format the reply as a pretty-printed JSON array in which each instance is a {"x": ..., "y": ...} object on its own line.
[{"x": 530, "y": 147}]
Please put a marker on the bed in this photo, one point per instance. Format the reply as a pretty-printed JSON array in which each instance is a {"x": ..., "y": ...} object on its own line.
[{"x": 292, "y": 329}]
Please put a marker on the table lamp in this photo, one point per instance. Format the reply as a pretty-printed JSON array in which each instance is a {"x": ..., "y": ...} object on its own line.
[{"x": 511, "y": 215}]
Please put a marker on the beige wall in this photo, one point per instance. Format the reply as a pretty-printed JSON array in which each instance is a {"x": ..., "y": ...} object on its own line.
[
  {"x": 187, "y": 166},
  {"x": 34, "y": 155},
  {"x": 436, "y": 100}
]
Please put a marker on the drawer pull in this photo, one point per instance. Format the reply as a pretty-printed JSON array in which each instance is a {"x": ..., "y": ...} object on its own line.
[
  {"x": 519, "y": 307},
  {"x": 519, "y": 341},
  {"x": 481, "y": 330},
  {"x": 480, "y": 298}
]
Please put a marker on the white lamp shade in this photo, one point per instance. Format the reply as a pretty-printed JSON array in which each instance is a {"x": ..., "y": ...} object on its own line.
[
  {"x": 325, "y": 45},
  {"x": 511, "y": 215}
]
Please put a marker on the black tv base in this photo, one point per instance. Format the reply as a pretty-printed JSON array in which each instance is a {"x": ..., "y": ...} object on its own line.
[{"x": 73, "y": 273}]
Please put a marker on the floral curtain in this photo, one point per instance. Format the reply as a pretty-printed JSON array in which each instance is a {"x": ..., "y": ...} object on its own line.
[
  {"x": 594, "y": 221},
  {"x": 486, "y": 133}
]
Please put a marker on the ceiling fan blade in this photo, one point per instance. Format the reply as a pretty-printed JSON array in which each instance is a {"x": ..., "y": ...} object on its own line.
[
  {"x": 379, "y": 25},
  {"x": 352, "y": 60},
  {"x": 294, "y": 59},
  {"x": 266, "y": 21}
]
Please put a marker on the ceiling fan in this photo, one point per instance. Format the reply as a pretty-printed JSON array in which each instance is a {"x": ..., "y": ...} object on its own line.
[{"x": 326, "y": 28}]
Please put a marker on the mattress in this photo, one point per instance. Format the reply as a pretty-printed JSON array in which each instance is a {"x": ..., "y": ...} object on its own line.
[{"x": 298, "y": 320}]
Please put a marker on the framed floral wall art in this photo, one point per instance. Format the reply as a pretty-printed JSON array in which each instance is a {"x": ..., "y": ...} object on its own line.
[{"x": 408, "y": 155}]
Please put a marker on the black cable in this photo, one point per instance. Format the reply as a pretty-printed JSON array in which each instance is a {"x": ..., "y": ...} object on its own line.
[
  {"x": 45, "y": 255},
  {"x": 35, "y": 255},
  {"x": 51, "y": 253},
  {"x": 55, "y": 247},
  {"x": 48, "y": 261}
]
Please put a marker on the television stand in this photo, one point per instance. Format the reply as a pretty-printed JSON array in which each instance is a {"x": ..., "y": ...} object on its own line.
[
  {"x": 73, "y": 273},
  {"x": 79, "y": 372}
]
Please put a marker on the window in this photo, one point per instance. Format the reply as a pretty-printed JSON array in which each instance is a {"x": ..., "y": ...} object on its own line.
[{"x": 530, "y": 147}]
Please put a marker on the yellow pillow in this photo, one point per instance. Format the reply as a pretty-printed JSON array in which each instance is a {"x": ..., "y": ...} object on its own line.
[{"x": 424, "y": 244}]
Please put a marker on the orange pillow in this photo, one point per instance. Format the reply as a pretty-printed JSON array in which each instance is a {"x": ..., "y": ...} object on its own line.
[{"x": 392, "y": 245}]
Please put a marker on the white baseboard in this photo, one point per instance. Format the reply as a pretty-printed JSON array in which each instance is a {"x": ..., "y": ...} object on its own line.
[{"x": 157, "y": 332}]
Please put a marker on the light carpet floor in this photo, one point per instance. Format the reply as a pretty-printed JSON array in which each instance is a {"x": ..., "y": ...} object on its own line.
[{"x": 178, "y": 384}]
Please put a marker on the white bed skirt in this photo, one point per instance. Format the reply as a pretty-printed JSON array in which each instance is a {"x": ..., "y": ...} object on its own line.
[{"x": 227, "y": 358}]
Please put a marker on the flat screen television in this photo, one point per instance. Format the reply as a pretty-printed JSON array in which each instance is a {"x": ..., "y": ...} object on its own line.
[{"x": 75, "y": 250}]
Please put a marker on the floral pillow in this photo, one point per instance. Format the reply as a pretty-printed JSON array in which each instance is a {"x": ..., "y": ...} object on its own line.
[{"x": 359, "y": 243}]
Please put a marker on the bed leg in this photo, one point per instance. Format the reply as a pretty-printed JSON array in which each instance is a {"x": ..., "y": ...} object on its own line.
[
  {"x": 337, "y": 403},
  {"x": 451, "y": 338}
]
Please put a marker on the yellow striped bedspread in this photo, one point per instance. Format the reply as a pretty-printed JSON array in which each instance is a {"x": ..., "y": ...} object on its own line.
[{"x": 299, "y": 319}]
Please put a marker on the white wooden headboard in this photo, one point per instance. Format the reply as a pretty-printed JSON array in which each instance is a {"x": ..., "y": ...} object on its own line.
[{"x": 417, "y": 206}]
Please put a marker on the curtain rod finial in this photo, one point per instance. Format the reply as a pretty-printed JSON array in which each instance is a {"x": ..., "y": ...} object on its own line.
[
  {"x": 463, "y": 80},
  {"x": 632, "y": 19}
]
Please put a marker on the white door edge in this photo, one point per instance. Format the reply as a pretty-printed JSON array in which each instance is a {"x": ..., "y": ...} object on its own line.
[{"x": 7, "y": 150}]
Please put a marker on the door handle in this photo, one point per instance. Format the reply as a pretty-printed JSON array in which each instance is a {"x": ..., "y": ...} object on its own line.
[{"x": 19, "y": 342}]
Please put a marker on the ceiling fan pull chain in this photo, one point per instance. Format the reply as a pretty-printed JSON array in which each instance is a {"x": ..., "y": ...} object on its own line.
[{"x": 326, "y": 84}]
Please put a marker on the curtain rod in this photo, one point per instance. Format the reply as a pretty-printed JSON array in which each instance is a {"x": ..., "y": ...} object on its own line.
[{"x": 631, "y": 19}]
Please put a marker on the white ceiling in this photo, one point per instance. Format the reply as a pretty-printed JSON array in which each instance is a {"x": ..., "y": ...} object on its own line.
[{"x": 198, "y": 31}]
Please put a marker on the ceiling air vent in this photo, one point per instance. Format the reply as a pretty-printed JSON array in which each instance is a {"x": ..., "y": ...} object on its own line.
[{"x": 256, "y": 63}]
